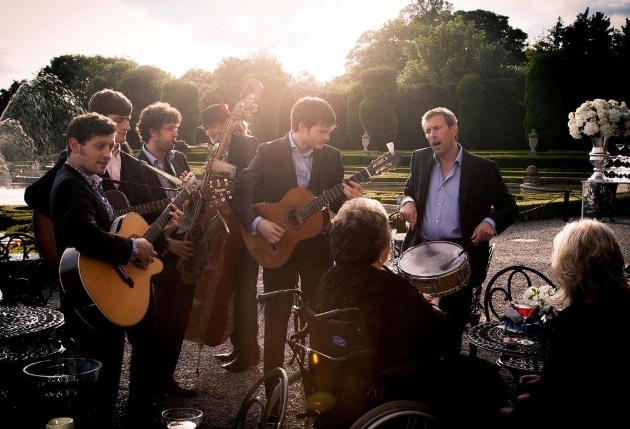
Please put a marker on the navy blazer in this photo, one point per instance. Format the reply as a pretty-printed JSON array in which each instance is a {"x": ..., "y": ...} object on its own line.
[
  {"x": 271, "y": 175},
  {"x": 482, "y": 193},
  {"x": 81, "y": 220}
]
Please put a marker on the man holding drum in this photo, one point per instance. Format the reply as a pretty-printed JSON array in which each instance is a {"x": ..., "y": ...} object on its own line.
[{"x": 455, "y": 196}]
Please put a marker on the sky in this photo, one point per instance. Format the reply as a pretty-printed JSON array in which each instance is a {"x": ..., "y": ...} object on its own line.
[{"x": 177, "y": 35}]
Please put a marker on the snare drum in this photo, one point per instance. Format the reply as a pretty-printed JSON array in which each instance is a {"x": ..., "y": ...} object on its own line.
[{"x": 423, "y": 265}]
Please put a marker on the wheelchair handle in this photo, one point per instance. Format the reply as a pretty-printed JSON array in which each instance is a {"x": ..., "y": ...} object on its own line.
[{"x": 334, "y": 314}]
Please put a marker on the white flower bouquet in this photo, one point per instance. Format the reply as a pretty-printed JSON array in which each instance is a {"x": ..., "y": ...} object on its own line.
[
  {"x": 600, "y": 118},
  {"x": 539, "y": 296}
]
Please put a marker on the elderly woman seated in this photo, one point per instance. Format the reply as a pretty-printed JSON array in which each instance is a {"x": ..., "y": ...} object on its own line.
[
  {"x": 407, "y": 330},
  {"x": 586, "y": 376}
]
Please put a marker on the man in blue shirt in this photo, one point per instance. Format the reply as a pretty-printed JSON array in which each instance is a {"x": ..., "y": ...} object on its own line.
[{"x": 453, "y": 195}]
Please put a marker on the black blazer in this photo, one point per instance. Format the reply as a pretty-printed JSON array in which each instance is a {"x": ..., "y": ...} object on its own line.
[
  {"x": 81, "y": 221},
  {"x": 242, "y": 150},
  {"x": 482, "y": 193},
  {"x": 132, "y": 171},
  {"x": 180, "y": 163},
  {"x": 271, "y": 175},
  {"x": 37, "y": 195}
]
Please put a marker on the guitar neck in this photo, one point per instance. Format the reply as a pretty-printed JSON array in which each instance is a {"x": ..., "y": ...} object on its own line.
[
  {"x": 322, "y": 201},
  {"x": 158, "y": 225},
  {"x": 142, "y": 209}
]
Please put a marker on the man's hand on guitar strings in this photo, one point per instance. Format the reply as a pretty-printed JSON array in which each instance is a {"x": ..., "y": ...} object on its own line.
[
  {"x": 145, "y": 252},
  {"x": 352, "y": 189},
  {"x": 175, "y": 215},
  {"x": 271, "y": 231}
]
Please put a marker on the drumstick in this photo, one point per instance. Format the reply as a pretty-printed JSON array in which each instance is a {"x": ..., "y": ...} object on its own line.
[{"x": 447, "y": 263}]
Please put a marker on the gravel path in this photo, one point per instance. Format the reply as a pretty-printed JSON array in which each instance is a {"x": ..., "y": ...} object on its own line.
[{"x": 220, "y": 392}]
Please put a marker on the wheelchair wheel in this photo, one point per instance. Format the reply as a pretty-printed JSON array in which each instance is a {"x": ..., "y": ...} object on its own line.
[
  {"x": 256, "y": 411},
  {"x": 398, "y": 415}
]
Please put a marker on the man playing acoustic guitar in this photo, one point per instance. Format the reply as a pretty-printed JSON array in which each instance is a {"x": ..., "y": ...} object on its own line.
[
  {"x": 82, "y": 217},
  {"x": 299, "y": 159}
]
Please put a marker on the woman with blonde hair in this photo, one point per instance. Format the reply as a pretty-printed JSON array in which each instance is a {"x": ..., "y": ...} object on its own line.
[{"x": 585, "y": 379}]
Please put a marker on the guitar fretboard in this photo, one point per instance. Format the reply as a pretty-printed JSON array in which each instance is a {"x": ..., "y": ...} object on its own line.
[
  {"x": 141, "y": 209},
  {"x": 379, "y": 165},
  {"x": 323, "y": 200},
  {"x": 158, "y": 225}
]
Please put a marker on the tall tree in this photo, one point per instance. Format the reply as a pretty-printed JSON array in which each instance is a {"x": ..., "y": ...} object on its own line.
[
  {"x": 447, "y": 52},
  {"x": 184, "y": 96},
  {"x": 497, "y": 30},
  {"x": 469, "y": 99},
  {"x": 377, "y": 110},
  {"x": 142, "y": 86}
]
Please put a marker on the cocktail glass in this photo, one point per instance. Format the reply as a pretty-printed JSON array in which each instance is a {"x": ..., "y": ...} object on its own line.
[
  {"x": 525, "y": 311},
  {"x": 182, "y": 418}
]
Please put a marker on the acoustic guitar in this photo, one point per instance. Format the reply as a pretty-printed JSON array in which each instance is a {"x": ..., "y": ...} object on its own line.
[
  {"x": 300, "y": 213},
  {"x": 44, "y": 232},
  {"x": 102, "y": 292}
]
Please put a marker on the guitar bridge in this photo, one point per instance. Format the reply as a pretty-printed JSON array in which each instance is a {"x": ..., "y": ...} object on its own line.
[{"x": 124, "y": 275}]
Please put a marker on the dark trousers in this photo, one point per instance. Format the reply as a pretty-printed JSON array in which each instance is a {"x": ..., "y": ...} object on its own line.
[
  {"x": 157, "y": 340},
  {"x": 106, "y": 346},
  {"x": 310, "y": 260},
  {"x": 458, "y": 304},
  {"x": 244, "y": 336}
]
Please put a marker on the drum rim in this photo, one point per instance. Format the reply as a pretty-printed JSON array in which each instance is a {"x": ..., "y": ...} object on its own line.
[{"x": 452, "y": 270}]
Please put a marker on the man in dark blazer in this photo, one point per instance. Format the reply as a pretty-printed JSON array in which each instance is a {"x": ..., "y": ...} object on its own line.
[
  {"x": 130, "y": 172},
  {"x": 158, "y": 338},
  {"x": 300, "y": 159},
  {"x": 82, "y": 219},
  {"x": 238, "y": 151},
  {"x": 455, "y": 196},
  {"x": 132, "y": 175}
]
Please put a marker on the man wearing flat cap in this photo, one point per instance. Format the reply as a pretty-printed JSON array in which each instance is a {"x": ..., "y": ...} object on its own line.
[{"x": 239, "y": 152}]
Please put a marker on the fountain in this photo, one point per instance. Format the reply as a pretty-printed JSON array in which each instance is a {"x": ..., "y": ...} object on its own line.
[{"x": 32, "y": 127}]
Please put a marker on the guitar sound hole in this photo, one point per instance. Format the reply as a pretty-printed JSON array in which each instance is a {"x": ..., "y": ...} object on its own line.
[{"x": 295, "y": 218}]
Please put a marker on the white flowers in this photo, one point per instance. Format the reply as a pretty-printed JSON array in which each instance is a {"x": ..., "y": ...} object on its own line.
[
  {"x": 600, "y": 118},
  {"x": 539, "y": 296}
]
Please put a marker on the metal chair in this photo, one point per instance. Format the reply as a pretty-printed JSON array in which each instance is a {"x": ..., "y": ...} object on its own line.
[
  {"x": 475, "y": 309},
  {"x": 506, "y": 284}
]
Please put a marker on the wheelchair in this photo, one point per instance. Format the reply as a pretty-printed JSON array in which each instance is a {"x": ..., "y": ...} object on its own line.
[{"x": 335, "y": 368}]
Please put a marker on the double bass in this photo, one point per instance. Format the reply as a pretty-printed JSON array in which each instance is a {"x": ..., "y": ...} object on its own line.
[{"x": 218, "y": 243}]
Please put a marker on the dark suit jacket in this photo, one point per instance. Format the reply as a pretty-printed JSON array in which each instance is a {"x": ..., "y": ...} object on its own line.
[
  {"x": 179, "y": 162},
  {"x": 242, "y": 150},
  {"x": 271, "y": 175},
  {"x": 81, "y": 221},
  {"x": 482, "y": 193},
  {"x": 133, "y": 172},
  {"x": 37, "y": 195}
]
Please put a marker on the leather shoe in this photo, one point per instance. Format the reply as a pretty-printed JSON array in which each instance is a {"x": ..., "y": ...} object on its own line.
[
  {"x": 227, "y": 357},
  {"x": 241, "y": 363},
  {"x": 178, "y": 391}
]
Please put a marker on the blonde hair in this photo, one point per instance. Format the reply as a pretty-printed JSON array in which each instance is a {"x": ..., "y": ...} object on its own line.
[{"x": 587, "y": 263}]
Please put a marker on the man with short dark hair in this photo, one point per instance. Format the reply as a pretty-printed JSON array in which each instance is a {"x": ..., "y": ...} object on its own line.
[
  {"x": 82, "y": 218},
  {"x": 300, "y": 159},
  {"x": 158, "y": 338}
]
